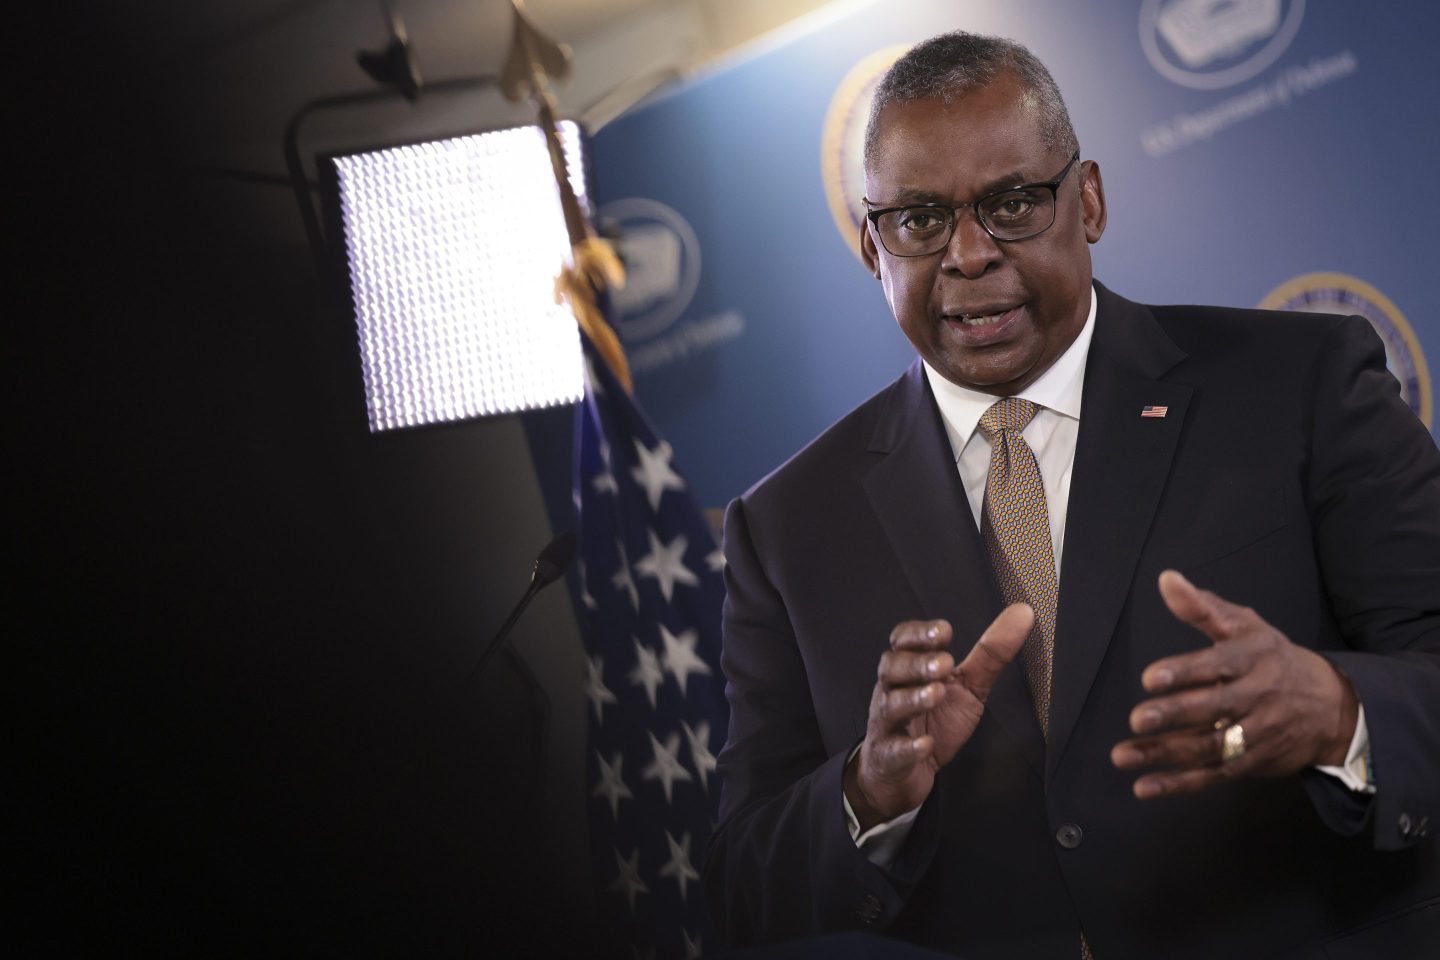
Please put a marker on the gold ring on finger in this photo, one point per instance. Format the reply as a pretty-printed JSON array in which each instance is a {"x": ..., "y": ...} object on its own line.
[{"x": 1233, "y": 745}]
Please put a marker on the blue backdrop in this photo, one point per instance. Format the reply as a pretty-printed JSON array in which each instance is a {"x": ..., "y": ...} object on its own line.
[{"x": 1258, "y": 151}]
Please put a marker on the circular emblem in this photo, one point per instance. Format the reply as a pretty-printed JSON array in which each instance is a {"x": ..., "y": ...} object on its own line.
[
  {"x": 662, "y": 266},
  {"x": 1209, "y": 44},
  {"x": 842, "y": 144},
  {"x": 1340, "y": 293}
]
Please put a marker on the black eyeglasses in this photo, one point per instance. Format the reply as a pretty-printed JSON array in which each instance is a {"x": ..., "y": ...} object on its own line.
[{"x": 1016, "y": 213}]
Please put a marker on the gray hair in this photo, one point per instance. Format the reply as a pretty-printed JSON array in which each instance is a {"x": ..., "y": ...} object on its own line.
[{"x": 953, "y": 64}]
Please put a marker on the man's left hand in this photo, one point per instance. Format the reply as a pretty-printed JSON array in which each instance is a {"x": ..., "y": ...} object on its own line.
[{"x": 1295, "y": 708}]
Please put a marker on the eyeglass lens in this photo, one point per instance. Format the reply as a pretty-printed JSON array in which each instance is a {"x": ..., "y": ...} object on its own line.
[{"x": 1013, "y": 215}]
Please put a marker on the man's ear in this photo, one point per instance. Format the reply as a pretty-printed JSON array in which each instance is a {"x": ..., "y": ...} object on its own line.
[
  {"x": 1092, "y": 200},
  {"x": 868, "y": 253}
]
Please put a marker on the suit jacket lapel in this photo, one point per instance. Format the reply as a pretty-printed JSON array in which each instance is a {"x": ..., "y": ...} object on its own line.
[
  {"x": 1121, "y": 463},
  {"x": 917, "y": 495}
]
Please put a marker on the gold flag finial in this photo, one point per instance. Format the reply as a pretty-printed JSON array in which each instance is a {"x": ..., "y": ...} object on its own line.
[
  {"x": 596, "y": 267},
  {"x": 534, "y": 60}
]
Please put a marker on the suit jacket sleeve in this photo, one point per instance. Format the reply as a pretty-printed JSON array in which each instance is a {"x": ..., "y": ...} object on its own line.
[
  {"x": 1375, "y": 499},
  {"x": 782, "y": 864}
]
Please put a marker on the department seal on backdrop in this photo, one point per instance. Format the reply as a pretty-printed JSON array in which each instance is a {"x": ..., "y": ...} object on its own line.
[
  {"x": 661, "y": 254},
  {"x": 1210, "y": 44},
  {"x": 842, "y": 143},
  {"x": 1341, "y": 293}
]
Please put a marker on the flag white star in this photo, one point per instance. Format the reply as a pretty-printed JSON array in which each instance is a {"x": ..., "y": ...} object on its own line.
[
  {"x": 654, "y": 472},
  {"x": 629, "y": 882},
  {"x": 647, "y": 672},
  {"x": 693, "y": 950},
  {"x": 595, "y": 688},
  {"x": 667, "y": 767},
  {"x": 666, "y": 563},
  {"x": 679, "y": 866},
  {"x": 585, "y": 596},
  {"x": 680, "y": 658},
  {"x": 715, "y": 560},
  {"x": 604, "y": 481},
  {"x": 700, "y": 756},
  {"x": 611, "y": 787},
  {"x": 622, "y": 580}
]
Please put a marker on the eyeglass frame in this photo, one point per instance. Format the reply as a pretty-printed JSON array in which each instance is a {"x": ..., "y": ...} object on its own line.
[{"x": 953, "y": 209}]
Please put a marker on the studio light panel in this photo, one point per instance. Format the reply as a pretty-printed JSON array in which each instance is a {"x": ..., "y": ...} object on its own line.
[{"x": 453, "y": 250}]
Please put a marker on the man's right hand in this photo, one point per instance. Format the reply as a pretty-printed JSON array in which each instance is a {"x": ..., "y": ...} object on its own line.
[{"x": 923, "y": 710}]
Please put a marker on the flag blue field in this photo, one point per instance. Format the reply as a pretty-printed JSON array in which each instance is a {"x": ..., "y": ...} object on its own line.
[{"x": 651, "y": 588}]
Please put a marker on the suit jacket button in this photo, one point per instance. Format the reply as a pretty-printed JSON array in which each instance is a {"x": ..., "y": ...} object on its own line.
[
  {"x": 869, "y": 910},
  {"x": 1069, "y": 836}
]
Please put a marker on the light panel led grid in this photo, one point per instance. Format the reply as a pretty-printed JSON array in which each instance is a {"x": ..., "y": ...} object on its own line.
[{"x": 453, "y": 249}]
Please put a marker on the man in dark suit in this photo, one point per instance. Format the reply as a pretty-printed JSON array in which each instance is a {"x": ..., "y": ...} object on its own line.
[{"x": 1162, "y": 770}]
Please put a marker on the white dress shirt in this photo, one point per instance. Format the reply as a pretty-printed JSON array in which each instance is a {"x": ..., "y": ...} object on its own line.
[{"x": 1052, "y": 435}]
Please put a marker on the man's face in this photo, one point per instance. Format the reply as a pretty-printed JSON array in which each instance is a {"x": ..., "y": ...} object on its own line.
[{"x": 988, "y": 315}]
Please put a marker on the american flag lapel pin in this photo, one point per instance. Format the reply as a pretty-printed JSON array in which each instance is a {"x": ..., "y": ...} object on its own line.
[{"x": 1150, "y": 410}]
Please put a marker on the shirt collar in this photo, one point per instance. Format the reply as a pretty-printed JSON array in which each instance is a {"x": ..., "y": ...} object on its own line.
[{"x": 1058, "y": 389}]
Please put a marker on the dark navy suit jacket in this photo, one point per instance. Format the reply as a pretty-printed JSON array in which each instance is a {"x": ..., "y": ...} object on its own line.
[{"x": 1287, "y": 475}]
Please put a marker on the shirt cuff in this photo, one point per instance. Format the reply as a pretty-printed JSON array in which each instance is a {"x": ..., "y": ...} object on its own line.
[
  {"x": 881, "y": 843},
  {"x": 1355, "y": 773}
]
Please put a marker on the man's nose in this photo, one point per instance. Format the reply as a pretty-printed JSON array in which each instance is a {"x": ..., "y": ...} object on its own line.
[{"x": 971, "y": 249}]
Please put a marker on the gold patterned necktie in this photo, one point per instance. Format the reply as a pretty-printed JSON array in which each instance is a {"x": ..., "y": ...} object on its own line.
[{"x": 1016, "y": 526}]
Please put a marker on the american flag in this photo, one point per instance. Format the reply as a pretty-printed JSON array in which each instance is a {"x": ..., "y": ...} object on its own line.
[
  {"x": 1152, "y": 411},
  {"x": 651, "y": 587}
]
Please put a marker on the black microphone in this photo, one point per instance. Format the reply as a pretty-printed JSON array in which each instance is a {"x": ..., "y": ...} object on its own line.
[
  {"x": 550, "y": 566},
  {"x": 553, "y": 561}
]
